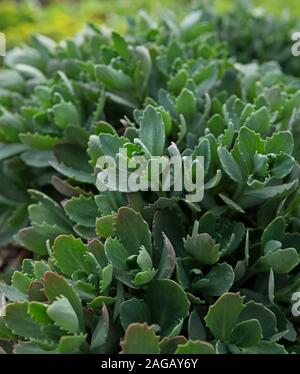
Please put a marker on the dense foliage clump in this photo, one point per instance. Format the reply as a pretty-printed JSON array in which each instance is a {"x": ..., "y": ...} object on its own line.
[
  {"x": 149, "y": 272},
  {"x": 255, "y": 34}
]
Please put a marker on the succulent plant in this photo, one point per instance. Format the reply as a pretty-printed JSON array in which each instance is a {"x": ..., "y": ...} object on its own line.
[{"x": 150, "y": 271}]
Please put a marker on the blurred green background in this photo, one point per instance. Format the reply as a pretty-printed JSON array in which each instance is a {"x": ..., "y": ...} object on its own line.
[{"x": 57, "y": 18}]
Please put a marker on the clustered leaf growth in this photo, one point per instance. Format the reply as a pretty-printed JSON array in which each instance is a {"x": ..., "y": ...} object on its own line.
[{"x": 147, "y": 272}]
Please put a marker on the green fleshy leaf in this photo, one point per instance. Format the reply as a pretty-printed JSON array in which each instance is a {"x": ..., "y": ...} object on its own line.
[
  {"x": 257, "y": 196},
  {"x": 203, "y": 248},
  {"x": 105, "y": 226},
  {"x": 107, "y": 277},
  {"x": 31, "y": 348},
  {"x": 82, "y": 210},
  {"x": 265, "y": 316},
  {"x": 101, "y": 330},
  {"x": 121, "y": 46},
  {"x": 136, "y": 234},
  {"x": 218, "y": 281},
  {"x": 196, "y": 328},
  {"x": 247, "y": 333},
  {"x": 140, "y": 338},
  {"x": 231, "y": 204},
  {"x": 21, "y": 282},
  {"x": 223, "y": 315},
  {"x": 19, "y": 321},
  {"x": 12, "y": 294},
  {"x": 56, "y": 286},
  {"x": 78, "y": 175},
  {"x": 113, "y": 79},
  {"x": 109, "y": 202},
  {"x": 38, "y": 141},
  {"x": 99, "y": 301},
  {"x": 144, "y": 260},
  {"x": 152, "y": 131},
  {"x": 281, "y": 141},
  {"x": 116, "y": 254},
  {"x": 144, "y": 277},
  {"x": 38, "y": 312},
  {"x": 69, "y": 254},
  {"x": 167, "y": 262},
  {"x": 9, "y": 150},
  {"x": 134, "y": 310},
  {"x": 274, "y": 231},
  {"x": 249, "y": 143},
  {"x": 65, "y": 113},
  {"x": 5, "y": 332},
  {"x": 173, "y": 304},
  {"x": 169, "y": 345},
  {"x": 281, "y": 261},
  {"x": 265, "y": 347},
  {"x": 259, "y": 121},
  {"x": 63, "y": 315},
  {"x": 195, "y": 347},
  {"x": 186, "y": 104},
  {"x": 229, "y": 165},
  {"x": 70, "y": 344}
]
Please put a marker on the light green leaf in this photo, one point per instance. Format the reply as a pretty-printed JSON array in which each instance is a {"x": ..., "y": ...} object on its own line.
[
  {"x": 70, "y": 344},
  {"x": 101, "y": 330},
  {"x": 21, "y": 281},
  {"x": 265, "y": 347},
  {"x": 254, "y": 197},
  {"x": 218, "y": 281},
  {"x": 259, "y": 121},
  {"x": 38, "y": 141},
  {"x": 65, "y": 113},
  {"x": 38, "y": 312},
  {"x": 105, "y": 226},
  {"x": 134, "y": 310},
  {"x": 274, "y": 231},
  {"x": 69, "y": 254},
  {"x": 186, "y": 104},
  {"x": 265, "y": 316},
  {"x": 144, "y": 277},
  {"x": 140, "y": 338},
  {"x": 76, "y": 174},
  {"x": 152, "y": 131},
  {"x": 195, "y": 347},
  {"x": 56, "y": 286},
  {"x": 19, "y": 321},
  {"x": 63, "y": 315},
  {"x": 231, "y": 204},
  {"x": 246, "y": 333},
  {"x": 167, "y": 262},
  {"x": 116, "y": 254},
  {"x": 249, "y": 143},
  {"x": 82, "y": 210},
  {"x": 12, "y": 293},
  {"x": 136, "y": 234},
  {"x": 281, "y": 261},
  {"x": 121, "y": 46},
  {"x": 223, "y": 315},
  {"x": 113, "y": 79},
  {"x": 173, "y": 305},
  {"x": 203, "y": 248},
  {"x": 229, "y": 165},
  {"x": 281, "y": 141},
  {"x": 9, "y": 150}
]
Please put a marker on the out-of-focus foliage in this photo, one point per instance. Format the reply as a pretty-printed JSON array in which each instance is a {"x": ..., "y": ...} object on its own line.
[
  {"x": 256, "y": 34},
  {"x": 59, "y": 18}
]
